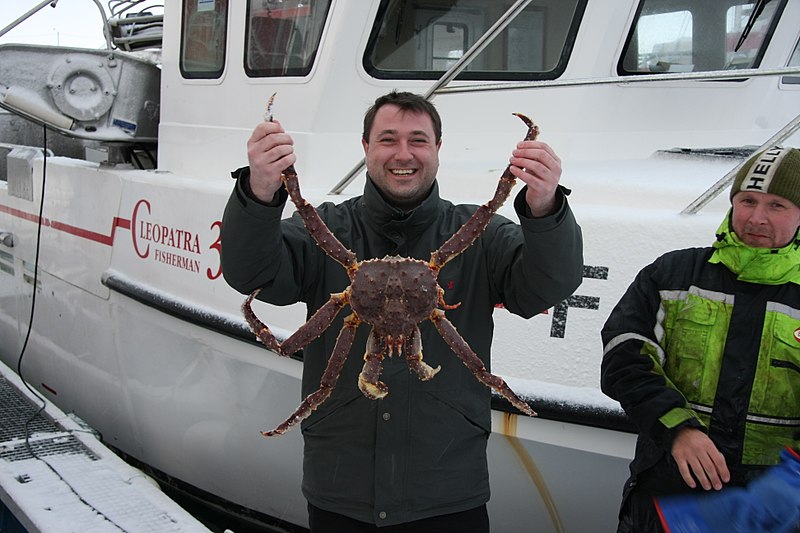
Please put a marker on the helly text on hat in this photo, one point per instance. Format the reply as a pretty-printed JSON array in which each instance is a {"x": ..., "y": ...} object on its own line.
[
  {"x": 774, "y": 171},
  {"x": 763, "y": 170}
]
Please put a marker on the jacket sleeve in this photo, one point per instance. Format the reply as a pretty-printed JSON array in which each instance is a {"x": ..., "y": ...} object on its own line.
[
  {"x": 259, "y": 250},
  {"x": 540, "y": 266},
  {"x": 632, "y": 370}
]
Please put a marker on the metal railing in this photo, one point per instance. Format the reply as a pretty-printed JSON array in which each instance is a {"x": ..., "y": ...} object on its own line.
[
  {"x": 441, "y": 86},
  {"x": 451, "y": 73}
]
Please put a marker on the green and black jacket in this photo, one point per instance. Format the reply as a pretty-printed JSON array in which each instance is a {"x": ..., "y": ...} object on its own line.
[
  {"x": 421, "y": 450},
  {"x": 710, "y": 337}
]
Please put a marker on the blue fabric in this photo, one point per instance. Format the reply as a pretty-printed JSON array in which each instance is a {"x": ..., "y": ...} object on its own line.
[{"x": 770, "y": 504}]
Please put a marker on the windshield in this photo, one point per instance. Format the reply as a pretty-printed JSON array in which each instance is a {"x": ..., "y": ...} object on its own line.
[
  {"x": 794, "y": 61},
  {"x": 421, "y": 40},
  {"x": 699, "y": 35}
]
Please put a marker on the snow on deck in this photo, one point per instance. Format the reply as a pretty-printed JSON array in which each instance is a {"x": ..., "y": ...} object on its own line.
[{"x": 62, "y": 479}]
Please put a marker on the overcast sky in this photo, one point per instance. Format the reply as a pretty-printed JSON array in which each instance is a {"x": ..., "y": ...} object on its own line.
[{"x": 70, "y": 23}]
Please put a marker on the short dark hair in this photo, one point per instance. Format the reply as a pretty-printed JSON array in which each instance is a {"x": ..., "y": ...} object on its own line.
[{"x": 406, "y": 102}]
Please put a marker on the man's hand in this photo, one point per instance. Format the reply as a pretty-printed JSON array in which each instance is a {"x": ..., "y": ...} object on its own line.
[
  {"x": 696, "y": 454},
  {"x": 270, "y": 151},
  {"x": 536, "y": 164}
]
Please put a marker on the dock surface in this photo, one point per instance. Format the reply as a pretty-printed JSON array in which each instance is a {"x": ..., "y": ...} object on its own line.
[{"x": 56, "y": 476}]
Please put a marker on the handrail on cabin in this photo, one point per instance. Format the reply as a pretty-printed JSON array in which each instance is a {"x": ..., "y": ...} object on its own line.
[
  {"x": 707, "y": 75},
  {"x": 440, "y": 88},
  {"x": 723, "y": 183},
  {"x": 451, "y": 73}
]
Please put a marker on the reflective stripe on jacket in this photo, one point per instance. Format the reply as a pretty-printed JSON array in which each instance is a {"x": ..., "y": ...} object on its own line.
[{"x": 694, "y": 342}]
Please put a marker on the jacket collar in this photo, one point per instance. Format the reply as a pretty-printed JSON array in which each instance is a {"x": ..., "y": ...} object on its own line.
[
  {"x": 769, "y": 266},
  {"x": 383, "y": 215}
]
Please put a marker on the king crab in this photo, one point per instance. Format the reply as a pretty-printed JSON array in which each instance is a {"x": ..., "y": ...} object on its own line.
[{"x": 393, "y": 295}]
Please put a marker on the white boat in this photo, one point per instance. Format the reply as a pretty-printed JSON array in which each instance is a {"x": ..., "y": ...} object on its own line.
[{"x": 114, "y": 170}]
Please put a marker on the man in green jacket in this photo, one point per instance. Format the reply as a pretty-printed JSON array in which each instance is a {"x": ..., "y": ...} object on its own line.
[
  {"x": 416, "y": 459},
  {"x": 703, "y": 350}
]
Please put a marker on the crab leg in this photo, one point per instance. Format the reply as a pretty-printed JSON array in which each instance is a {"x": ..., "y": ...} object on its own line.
[
  {"x": 309, "y": 331},
  {"x": 414, "y": 358},
  {"x": 470, "y": 231},
  {"x": 373, "y": 360},
  {"x": 459, "y": 346},
  {"x": 261, "y": 330},
  {"x": 343, "y": 344},
  {"x": 316, "y": 227},
  {"x": 314, "y": 224}
]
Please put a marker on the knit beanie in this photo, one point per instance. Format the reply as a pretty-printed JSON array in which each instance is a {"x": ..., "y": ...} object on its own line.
[{"x": 775, "y": 171}]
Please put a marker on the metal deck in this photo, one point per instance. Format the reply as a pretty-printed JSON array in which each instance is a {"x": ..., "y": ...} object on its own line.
[{"x": 56, "y": 476}]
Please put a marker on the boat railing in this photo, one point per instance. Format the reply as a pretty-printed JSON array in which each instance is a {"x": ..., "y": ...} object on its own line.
[
  {"x": 441, "y": 88},
  {"x": 137, "y": 32},
  {"x": 454, "y": 70},
  {"x": 724, "y": 182},
  {"x": 709, "y": 75},
  {"x": 52, "y": 3},
  {"x": 129, "y": 32}
]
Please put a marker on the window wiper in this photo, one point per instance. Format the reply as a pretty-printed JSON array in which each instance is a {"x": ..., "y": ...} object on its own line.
[{"x": 757, "y": 9}]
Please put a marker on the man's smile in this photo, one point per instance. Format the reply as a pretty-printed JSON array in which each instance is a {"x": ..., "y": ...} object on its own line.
[{"x": 402, "y": 171}]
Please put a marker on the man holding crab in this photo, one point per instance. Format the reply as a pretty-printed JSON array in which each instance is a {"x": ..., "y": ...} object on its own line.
[{"x": 416, "y": 459}]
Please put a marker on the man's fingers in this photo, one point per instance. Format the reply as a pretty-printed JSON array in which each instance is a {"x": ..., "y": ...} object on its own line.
[{"x": 686, "y": 474}]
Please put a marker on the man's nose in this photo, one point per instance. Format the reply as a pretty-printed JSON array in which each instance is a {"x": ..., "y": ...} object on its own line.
[
  {"x": 759, "y": 214},
  {"x": 403, "y": 152}
]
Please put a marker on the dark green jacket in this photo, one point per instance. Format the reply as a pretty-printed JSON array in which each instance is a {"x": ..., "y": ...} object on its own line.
[
  {"x": 420, "y": 451},
  {"x": 710, "y": 337}
]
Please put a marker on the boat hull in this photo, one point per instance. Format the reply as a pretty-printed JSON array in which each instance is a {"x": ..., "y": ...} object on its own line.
[{"x": 135, "y": 332}]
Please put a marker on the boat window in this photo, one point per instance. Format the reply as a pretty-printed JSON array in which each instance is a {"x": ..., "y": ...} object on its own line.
[
  {"x": 203, "y": 39},
  {"x": 698, "y": 35},
  {"x": 421, "y": 39},
  {"x": 794, "y": 61},
  {"x": 283, "y": 36}
]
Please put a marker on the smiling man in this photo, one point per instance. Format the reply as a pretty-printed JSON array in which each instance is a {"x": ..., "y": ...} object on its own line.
[
  {"x": 703, "y": 350},
  {"x": 416, "y": 459},
  {"x": 402, "y": 153}
]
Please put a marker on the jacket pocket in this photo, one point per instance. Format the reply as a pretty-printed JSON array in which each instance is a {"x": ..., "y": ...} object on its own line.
[
  {"x": 776, "y": 390},
  {"x": 694, "y": 349},
  {"x": 780, "y": 363},
  {"x": 448, "y": 463}
]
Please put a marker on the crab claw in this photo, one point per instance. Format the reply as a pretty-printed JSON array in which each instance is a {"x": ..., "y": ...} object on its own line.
[
  {"x": 414, "y": 356},
  {"x": 422, "y": 369},
  {"x": 444, "y": 304},
  {"x": 373, "y": 391}
]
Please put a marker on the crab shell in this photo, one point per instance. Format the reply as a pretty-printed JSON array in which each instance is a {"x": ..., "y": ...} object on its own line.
[{"x": 394, "y": 294}]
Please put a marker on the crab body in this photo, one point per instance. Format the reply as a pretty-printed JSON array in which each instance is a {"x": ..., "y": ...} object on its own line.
[{"x": 393, "y": 295}]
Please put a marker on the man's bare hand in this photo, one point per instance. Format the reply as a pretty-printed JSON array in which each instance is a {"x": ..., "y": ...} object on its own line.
[
  {"x": 270, "y": 151},
  {"x": 536, "y": 164},
  {"x": 696, "y": 454}
]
